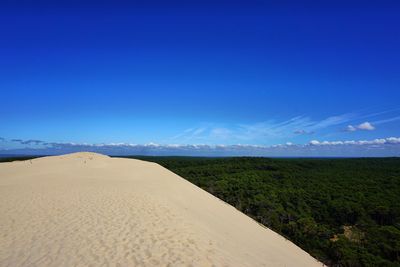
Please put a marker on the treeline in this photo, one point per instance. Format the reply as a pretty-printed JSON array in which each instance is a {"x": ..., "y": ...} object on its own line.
[
  {"x": 17, "y": 158},
  {"x": 345, "y": 212}
]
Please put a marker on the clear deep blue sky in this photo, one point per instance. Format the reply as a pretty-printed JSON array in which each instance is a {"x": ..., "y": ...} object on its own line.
[{"x": 204, "y": 72}]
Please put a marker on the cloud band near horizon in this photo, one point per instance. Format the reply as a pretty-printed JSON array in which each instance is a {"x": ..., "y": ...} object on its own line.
[{"x": 352, "y": 148}]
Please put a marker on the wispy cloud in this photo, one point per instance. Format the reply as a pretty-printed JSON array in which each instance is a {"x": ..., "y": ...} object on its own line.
[
  {"x": 261, "y": 131},
  {"x": 333, "y": 121},
  {"x": 272, "y": 130},
  {"x": 377, "y": 114},
  {"x": 387, "y": 120},
  {"x": 191, "y": 133},
  {"x": 220, "y": 133}
]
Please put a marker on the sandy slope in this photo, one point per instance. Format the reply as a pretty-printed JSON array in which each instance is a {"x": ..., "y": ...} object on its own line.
[{"x": 87, "y": 209}]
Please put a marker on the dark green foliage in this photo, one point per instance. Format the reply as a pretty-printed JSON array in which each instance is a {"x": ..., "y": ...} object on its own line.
[
  {"x": 17, "y": 158},
  {"x": 311, "y": 200}
]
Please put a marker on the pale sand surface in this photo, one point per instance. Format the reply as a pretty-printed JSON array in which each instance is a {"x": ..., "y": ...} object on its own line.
[{"x": 87, "y": 209}]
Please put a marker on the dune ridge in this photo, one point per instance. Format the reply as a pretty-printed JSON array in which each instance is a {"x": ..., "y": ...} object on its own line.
[{"x": 87, "y": 209}]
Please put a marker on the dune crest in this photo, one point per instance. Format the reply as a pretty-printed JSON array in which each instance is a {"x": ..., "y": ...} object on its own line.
[{"x": 87, "y": 209}]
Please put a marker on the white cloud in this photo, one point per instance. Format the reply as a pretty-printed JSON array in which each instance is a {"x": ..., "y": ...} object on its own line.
[
  {"x": 381, "y": 141},
  {"x": 351, "y": 128},
  {"x": 393, "y": 140},
  {"x": 314, "y": 142},
  {"x": 365, "y": 126},
  {"x": 378, "y": 147}
]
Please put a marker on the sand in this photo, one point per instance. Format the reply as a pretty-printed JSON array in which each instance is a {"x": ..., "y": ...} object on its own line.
[{"x": 87, "y": 209}]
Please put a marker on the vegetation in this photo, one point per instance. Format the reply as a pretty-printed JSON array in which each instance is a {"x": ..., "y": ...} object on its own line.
[
  {"x": 17, "y": 158},
  {"x": 345, "y": 212}
]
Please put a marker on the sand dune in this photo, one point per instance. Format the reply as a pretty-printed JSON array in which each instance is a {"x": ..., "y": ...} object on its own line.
[{"x": 86, "y": 209}]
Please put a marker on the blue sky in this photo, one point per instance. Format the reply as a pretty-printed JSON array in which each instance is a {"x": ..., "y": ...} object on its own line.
[{"x": 211, "y": 73}]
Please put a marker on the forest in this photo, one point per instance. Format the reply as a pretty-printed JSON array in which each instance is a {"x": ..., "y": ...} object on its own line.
[{"x": 345, "y": 212}]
